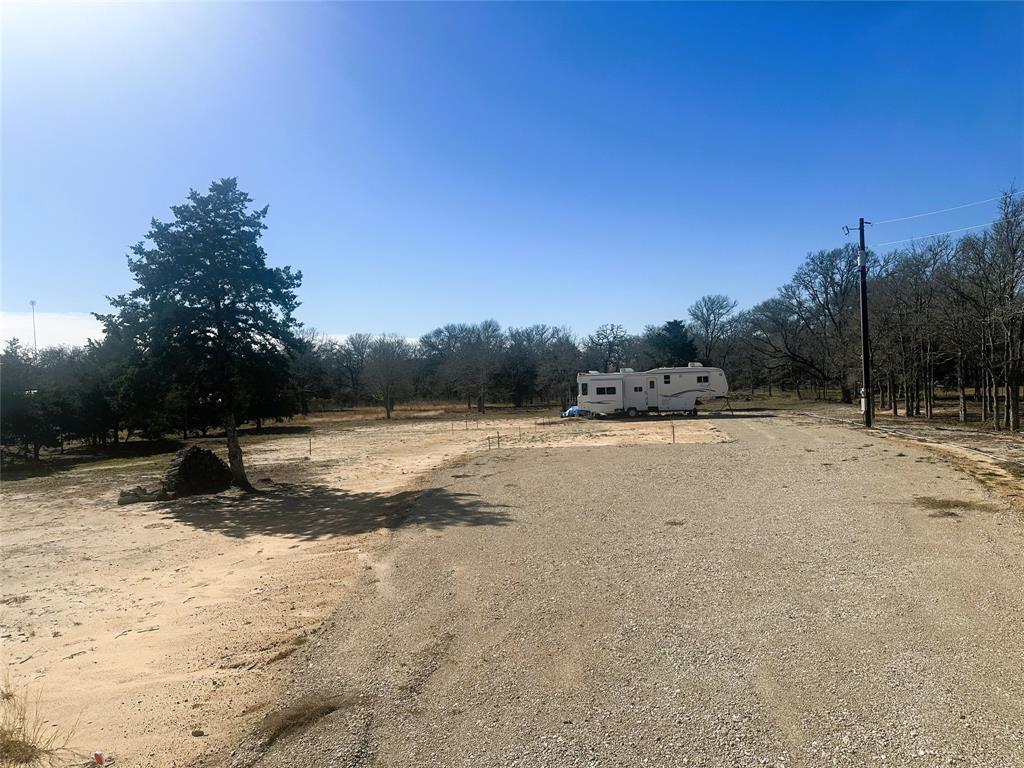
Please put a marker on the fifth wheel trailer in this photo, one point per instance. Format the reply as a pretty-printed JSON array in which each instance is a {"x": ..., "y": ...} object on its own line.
[{"x": 662, "y": 390}]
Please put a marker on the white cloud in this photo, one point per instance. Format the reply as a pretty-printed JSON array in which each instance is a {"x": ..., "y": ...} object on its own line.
[{"x": 53, "y": 329}]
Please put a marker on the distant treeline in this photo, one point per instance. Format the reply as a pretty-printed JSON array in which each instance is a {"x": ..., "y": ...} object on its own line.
[
  {"x": 106, "y": 390},
  {"x": 208, "y": 340}
]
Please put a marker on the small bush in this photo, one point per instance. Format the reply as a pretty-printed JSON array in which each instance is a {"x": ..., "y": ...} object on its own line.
[{"x": 26, "y": 739}]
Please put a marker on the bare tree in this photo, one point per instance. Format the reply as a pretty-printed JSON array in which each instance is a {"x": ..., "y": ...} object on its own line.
[
  {"x": 608, "y": 345},
  {"x": 389, "y": 369},
  {"x": 710, "y": 315},
  {"x": 354, "y": 351}
]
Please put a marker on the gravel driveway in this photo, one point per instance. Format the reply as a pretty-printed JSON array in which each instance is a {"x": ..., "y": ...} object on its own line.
[{"x": 802, "y": 595}]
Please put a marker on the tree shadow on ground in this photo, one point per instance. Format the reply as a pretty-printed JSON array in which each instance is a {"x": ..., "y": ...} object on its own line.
[
  {"x": 317, "y": 511},
  {"x": 750, "y": 414},
  {"x": 53, "y": 462},
  {"x": 654, "y": 419},
  {"x": 267, "y": 430}
]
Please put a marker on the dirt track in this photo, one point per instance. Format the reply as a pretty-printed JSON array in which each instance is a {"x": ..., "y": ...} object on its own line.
[
  {"x": 150, "y": 622},
  {"x": 802, "y": 595}
]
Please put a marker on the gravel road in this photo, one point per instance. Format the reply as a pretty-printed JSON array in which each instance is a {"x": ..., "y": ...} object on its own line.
[{"x": 801, "y": 595}]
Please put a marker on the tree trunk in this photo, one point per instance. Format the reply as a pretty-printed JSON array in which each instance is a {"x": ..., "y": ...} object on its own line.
[
  {"x": 929, "y": 384},
  {"x": 960, "y": 389},
  {"x": 238, "y": 477},
  {"x": 982, "y": 388},
  {"x": 1013, "y": 396},
  {"x": 1006, "y": 401},
  {"x": 994, "y": 399},
  {"x": 847, "y": 393}
]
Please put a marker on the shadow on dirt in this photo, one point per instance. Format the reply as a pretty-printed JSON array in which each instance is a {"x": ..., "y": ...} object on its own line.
[
  {"x": 318, "y": 511},
  {"x": 703, "y": 415},
  {"x": 759, "y": 414},
  {"x": 80, "y": 456},
  {"x": 249, "y": 430}
]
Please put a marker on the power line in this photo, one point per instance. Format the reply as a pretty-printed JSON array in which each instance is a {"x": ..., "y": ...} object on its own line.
[
  {"x": 936, "y": 234},
  {"x": 946, "y": 210}
]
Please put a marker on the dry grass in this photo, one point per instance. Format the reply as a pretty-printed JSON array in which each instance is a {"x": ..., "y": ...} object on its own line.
[
  {"x": 301, "y": 713},
  {"x": 947, "y": 507},
  {"x": 1013, "y": 469},
  {"x": 26, "y": 739}
]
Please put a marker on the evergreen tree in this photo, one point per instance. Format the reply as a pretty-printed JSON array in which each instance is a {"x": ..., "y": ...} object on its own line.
[{"x": 207, "y": 310}]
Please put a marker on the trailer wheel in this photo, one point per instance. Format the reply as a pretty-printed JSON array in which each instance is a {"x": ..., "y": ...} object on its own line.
[{"x": 631, "y": 413}]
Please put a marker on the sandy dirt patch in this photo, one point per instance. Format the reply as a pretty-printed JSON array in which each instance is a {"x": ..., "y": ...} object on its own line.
[{"x": 166, "y": 629}]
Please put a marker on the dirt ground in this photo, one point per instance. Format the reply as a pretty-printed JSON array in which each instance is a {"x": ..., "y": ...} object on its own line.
[
  {"x": 800, "y": 594},
  {"x": 165, "y": 629}
]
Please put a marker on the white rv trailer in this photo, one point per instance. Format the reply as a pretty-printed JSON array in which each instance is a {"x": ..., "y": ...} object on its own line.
[{"x": 663, "y": 390}]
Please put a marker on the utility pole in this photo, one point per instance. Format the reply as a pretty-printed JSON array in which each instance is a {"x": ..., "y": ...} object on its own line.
[
  {"x": 862, "y": 262},
  {"x": 35, "y": 347}
]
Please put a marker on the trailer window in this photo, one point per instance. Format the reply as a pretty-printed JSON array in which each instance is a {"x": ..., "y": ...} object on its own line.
[
  {"x": 638, "y": 389},
  {"x": 583, "y": 389},
  {"x": 611, "y": 391},
  {"x": 605, "y": 390},
  {"x": 702, "y": 379},
  {"x": 668, "y": 378},
  {"x": 650, "y": 384}
]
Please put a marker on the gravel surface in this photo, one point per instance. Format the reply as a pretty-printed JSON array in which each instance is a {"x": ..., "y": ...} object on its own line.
[{"x": 801, "y": 595}]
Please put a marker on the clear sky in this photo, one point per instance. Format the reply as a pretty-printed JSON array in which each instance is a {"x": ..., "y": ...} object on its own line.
[{"x": 570, "y": 164}]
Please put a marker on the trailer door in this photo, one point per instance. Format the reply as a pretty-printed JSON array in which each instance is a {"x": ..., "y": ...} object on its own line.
[
  {"x": 652, "y": 393},
  {"x": 634, "y": 393}
]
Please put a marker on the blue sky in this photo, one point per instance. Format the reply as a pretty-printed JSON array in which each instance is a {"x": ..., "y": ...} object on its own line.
[{"x": 570, "y": 164}]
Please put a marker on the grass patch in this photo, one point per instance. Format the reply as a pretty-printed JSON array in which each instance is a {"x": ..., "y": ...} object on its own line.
[
  {"x": 300, "y": 714},
  {"x": 1013, "y": 468},
  {"x": 946, "y": 507},
  {"x": 284, "y": 653},
  {"x": 26, "y": 739}
]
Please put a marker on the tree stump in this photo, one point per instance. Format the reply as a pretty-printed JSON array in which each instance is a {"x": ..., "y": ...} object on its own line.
[
  {"x": 193, "y": 470},
  {"x": 196, "y": 470}
]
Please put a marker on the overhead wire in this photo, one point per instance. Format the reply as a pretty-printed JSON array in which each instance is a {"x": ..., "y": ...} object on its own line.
[
  {"x": 946, "y": 210},
  {"x": 934, "y": 234}
]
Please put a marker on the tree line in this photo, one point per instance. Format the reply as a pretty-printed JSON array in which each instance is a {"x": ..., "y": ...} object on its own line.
[
  {"x": 208, "y": 340},
  {"x": 943, "y": 312}
]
